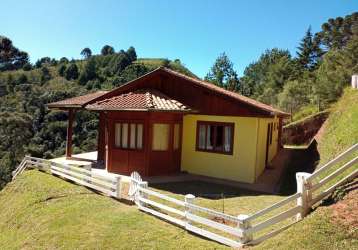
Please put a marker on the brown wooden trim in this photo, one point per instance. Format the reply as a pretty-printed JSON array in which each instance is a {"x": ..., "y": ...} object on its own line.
[
  {"x": 69, "y": 133},
  {"x": 206, "y": 123}
]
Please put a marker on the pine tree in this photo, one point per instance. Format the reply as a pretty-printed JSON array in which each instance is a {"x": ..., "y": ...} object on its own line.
[
  {"x": 308, "y": 51},
  {"x": 222, "y": 73}
]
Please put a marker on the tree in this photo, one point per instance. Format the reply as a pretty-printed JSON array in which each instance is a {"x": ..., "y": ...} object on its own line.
[
  {"x": 61, "y": 70},
  {"x": 22, "y": 79},
  {"x": 89, "y": 72},
  {"x": 71, "y": 72},
  {"x": 132, "y": 55},
  {"x": 86, "y": 53},
  {"x": 118, "y": 63},
  {"x": 107, "y": 50},
  {"x": 294, "y": 96},
  {"x": 223, "y": 74},
  {"x": 42, "y": 61},
  {"x": 309, "y": 51},
  {"x": 45, "y": 75},
  {"x": 335, "y": 72},
  {"x": 272, "y": 70},
  {"x": 27, "y": 66},
  {"x": 337, "y": 32},
  {"x": 64, "y": 60},
  {"x": 15, "y": 133},
  {"x": 11, "y": 58}
]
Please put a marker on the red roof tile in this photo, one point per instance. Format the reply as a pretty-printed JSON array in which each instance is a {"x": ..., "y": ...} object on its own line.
[
  {"x": 76, "y": 102},
  {"x": 139, "y": 100}
]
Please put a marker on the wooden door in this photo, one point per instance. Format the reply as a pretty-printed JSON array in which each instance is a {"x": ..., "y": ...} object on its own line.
[{"x": 165, "y": 148}]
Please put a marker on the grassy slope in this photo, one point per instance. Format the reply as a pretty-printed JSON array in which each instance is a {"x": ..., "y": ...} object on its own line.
[
  {"x": 78, "y": 218},
  {"x": 318, "y": 231},
  {"x": 45, "y": 212}
]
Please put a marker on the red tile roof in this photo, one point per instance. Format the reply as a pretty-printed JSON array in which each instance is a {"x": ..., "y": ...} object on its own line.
[
  {"x": 76, "y": 102},
  {"x": 140, "y": 100}
]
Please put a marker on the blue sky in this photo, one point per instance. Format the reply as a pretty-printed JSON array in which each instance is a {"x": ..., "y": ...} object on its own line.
[{"x": 194, "y": 31}]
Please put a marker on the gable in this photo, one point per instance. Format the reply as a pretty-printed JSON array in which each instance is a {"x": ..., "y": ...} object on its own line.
[{"x": 201, "y": 96}]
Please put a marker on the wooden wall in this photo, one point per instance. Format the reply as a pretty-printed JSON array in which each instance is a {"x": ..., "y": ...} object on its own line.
[{"x": 145, "y": 161}]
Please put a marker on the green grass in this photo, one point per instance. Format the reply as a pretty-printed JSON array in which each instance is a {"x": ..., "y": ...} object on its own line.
[
  {"x": 39, "y": 211},
  {"x": 304, "y": 112},
  {"x": 318, "y": 231},
  {"x": 341, "y": 131},
  {"x": 315, "y": 232}
]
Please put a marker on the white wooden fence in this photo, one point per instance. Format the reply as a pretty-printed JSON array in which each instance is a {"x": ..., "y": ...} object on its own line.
[
  {"x": 111, "y": 186},
  {"x": 234, "y": 231},
  {"x": 292, "y": 209}
]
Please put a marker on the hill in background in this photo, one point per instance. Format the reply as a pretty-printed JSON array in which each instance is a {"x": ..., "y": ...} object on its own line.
[{"x": 28, "y": 127}]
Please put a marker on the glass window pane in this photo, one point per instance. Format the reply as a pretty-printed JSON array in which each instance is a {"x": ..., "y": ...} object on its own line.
[
  {"x": 117, "y": 134},
  {"x": 210, "y": 137},
  {"x": 201, "y": 136},
  {"x": 228, "y": 138},
  {"x": 219, "y": 138},
  {"x": 160, "y": 136},
  {"x": 139, "y": 136},
  {"x": 176, "y": 138},
  {"x": 132, "y": 136},
  {"x": 125, "y": 135}
]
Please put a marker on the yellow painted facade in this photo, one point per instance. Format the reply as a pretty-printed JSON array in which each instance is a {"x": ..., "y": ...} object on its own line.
[{"x": 249, "y": 149}]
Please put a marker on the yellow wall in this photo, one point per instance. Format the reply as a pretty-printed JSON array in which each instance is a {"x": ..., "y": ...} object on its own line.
[
  {"x": 249, "y": 150},
  {"x": 261, "y": 143}
]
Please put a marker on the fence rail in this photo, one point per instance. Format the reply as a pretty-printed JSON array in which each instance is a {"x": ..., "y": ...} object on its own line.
[
  {"x": 200, "y": 220},
  {"x": 105, "y": 184}
]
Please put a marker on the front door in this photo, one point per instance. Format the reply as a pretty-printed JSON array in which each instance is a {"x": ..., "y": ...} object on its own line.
[{"x": 165, "y": 148}]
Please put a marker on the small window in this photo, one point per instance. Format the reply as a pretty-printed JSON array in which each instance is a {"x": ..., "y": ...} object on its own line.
[
  {"x": 139, "y": 136},
  {"x": 160, "y": 136},
  {"x": 129, "y": 135},
  {"x": 270, "y": 132},
  {"x": 215, "y": 137},
  {"x": 176, "y": 138}
]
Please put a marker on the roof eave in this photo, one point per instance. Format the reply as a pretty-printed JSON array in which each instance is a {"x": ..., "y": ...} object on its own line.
[
  {"x": 63, "y": 106},
  {"x": 138, "y": 110}
]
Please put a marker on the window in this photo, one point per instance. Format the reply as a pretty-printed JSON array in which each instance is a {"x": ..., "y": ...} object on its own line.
[
  {"x": 270, "y": 126},
  {"x": 215, "y": 137},
  {"x": 129, "y": 135},
  {"x": 176, "y": 136},
  {"x": 161, "y": 133}
]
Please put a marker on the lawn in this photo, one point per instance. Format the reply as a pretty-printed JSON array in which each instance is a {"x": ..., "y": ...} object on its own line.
[{"x": 44, "y": 212}]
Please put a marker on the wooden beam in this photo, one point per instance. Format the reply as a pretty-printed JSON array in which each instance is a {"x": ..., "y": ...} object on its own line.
[{"x": 69, "y": 133}]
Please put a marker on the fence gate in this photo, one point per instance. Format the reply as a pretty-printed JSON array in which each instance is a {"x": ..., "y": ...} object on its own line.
[{"x": 135, "y": 180}]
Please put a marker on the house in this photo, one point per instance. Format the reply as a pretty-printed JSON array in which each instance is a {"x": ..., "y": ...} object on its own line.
[{"x": 165, "y": 122}]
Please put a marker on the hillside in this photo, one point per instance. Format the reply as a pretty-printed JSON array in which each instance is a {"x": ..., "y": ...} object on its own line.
[
  {"x": 39, "y": 210},
  {"x": 321, "y": 229},
  {"x": 27, "y": 126}
]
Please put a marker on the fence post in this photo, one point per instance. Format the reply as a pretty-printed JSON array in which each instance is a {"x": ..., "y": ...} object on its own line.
[
  {"x": 142, "y": 184},
  {"x": 189, "y": 199},
  {"x": 118, "y": 187},
  {"x": 244, "y": 224},
  {"x": 303, "y": 188}
]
